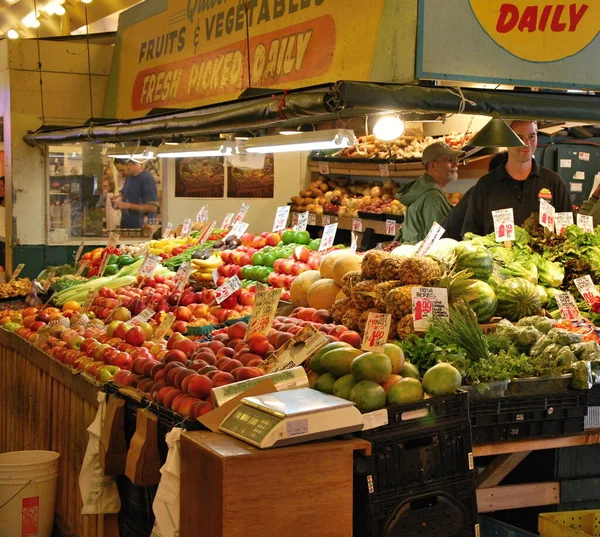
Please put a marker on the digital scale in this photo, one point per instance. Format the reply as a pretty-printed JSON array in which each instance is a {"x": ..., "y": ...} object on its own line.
[{"x": 291, "y": 417}]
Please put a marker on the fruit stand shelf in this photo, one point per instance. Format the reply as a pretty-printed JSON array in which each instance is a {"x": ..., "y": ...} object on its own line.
[{"x": 378, "y": 226}]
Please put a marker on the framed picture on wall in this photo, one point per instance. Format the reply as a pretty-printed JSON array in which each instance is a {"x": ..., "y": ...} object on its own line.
[
  {"x": 242, "y": 183},
  {"x": 199, "y": 177}
]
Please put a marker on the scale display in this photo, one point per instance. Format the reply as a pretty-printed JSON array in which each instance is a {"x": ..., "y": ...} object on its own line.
[{"x": 291, "y": 417}]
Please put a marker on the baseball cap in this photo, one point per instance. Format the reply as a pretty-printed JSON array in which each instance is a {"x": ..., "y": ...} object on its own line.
[{"x": 440, "y": 149}]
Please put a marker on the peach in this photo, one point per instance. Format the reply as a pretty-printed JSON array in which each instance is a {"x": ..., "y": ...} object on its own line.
[
  {"x": 237, "y": 330},
  {"x": 170, "y": 396},
  {"x": 156, "y": 387},
  {"x": 185, "y": 407},
  {"x": 162, "y": 393},
  {"x": 222, "y": 361},
  {"x": 221, "y": 338},
  {"x": 245, "y": 358},
  {"x": 207, "y": 369},
  {"x": 322, "y": 316},
  {"x": 351, "y": 337},
  {"x": 209, "y": 358},
  {"x": 245, "y": 373},
  {"x": 231, "y": 365},
  {"x": 306, "y": 314},
  {"x": 225, "y": 352},
  {"x": 199, "y": 386},
  {"x": 232, "y": 343},
  {"x": 254, "y": 362},
  {"x": 241, "y": 345},
  {"x": 281, "y": 339},
  {"x": 222, "y": 378},
  {"x": 179, "y": 398},
  {"x": 215, "y": 345},
  {"x": 198, "y": 364},
  {"x": 180, "y": 375},
  {"x": 200, "y": 408}
]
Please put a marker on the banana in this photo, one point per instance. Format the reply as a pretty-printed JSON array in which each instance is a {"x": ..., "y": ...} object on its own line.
[
  {"x": 211, "y": 262},
  {"x": 203, "y": 276}
]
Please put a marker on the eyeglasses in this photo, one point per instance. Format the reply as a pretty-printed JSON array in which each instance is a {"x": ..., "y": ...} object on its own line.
[{"x": 449, "y": 160}]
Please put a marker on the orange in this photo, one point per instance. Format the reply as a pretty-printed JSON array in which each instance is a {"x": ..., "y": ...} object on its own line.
[{"x": 71, "y": 305}]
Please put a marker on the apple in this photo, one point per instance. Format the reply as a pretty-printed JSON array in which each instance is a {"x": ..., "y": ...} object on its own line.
[
  {"x": 122, "y": 360},
  {"x": 186, "y": 346},
  {"x": 147, "y": 329},
  {"x": 122, "y": 377},
  {"x": 135, "y": 336},
  {"x": 246, "y": 239},
  {"x": 106, "y": 372},
  {"x": 273, "y": 239}
]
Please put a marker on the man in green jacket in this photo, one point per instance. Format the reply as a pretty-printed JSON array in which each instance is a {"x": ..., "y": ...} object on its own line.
[
  {"x": 591, "y": 207},
  {"x": 424, "y": 198}
]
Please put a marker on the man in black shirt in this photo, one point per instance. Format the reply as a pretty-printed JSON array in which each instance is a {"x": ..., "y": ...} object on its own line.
[{"x": 519, "y": 184}]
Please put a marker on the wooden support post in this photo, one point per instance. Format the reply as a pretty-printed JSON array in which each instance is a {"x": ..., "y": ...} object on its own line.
[
  {"x": 499, "y": 469},
  {"x": 511, "y": 497}
]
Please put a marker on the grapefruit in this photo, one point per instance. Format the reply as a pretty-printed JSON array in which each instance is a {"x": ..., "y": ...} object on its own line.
[{"x": 442, "y": 379}]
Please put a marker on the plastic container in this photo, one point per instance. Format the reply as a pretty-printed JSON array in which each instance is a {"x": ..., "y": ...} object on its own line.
[
  {"x": 490, "y": 527},
  {"x": 570, "y": 524},
  {"x": 487, "y": 390},
  {"x": 539, "y": 386},
  {"x": 28, "y": 492}
]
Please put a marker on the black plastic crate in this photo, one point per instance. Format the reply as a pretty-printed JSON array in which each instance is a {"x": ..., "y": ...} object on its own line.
[
  {"x": 136, "y": 517},
  {"x": 425, "y": 415},
  {"x": 490, "y": 527},
  {"x": 417, "y": 459},
  {"x": 527, "y": 429},
  {"x": 448, "y": 511},
  {"x": 594, "y": 395},
  {"x": 577, "y": 461}
]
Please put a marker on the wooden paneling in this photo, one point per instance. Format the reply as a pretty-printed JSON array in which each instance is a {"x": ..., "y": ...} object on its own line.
[{"x": 44, "y": 406}]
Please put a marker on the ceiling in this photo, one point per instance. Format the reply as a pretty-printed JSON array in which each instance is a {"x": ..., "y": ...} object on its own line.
[{"x": 102, "y": 16}]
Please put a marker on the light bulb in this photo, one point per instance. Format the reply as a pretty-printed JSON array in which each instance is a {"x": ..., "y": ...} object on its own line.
[
  {"x": 59, "y": 10},
  {"x": 388, "y": 128},
  {"x": 87, "y": 1},
  {"x": 13, "y": 34},
  {"x": 31, "y": 21}
]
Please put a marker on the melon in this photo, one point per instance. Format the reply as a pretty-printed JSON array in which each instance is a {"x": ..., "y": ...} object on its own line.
[
  {"x": 344, "y": 264},
  {"x": 301, "y": 285},
  {"x": 340, "y": 295},
  {"x": 321, "y": 294},
  {"x": 327, "y": 262}
]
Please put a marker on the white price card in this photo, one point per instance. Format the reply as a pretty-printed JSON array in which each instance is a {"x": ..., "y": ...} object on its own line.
[
  {"x": 565, "y": 163},
  {"x": 227, "y": 221},
  {"x": 167, "y": 230},
  {"x": 312, "y": 219},
  {"x": 329, "y": 232},
  {"x": 302, "y": 222},
  {"x": 353, "y": 242},
  {"x": 294, "y": 217},
  {"x": 326, "y": 220},
  {"x": 546, "y": 215},
  {"x": 202, "y": 215},
  {"x": 164, "y": 326},
  {"x": 323, "y": 168},
  {"x": 428, "y": 302},
  {"x": 579, "y": 176},
  {"x": 377, "y": 330},
  {"x": 281, "y": 218},
  {"x": 567, "y": 306},
  {"x": 238, "y": 229},
  {"x": 576, "y": 187},
  {"x": 434, "y": 235},
  {"x": 357, "y": 224},
  {"x": 587, "y": 289},
  {"x": 113, "y": 239},
  {"x": 585, "y": 222},
  {"x": 142, "y": 317},
  {"x": 584, "y": 156},
  {"x": 182, "y": 275},
  {"x": 504, "y": 224},
  {"x": 186, "y": 227},
  {"x": 227, "y": 289},
  {"x": 384, "y": 170},
  {"x": 79, "y": 251},
  {"x": 242, "y": 213},
  {"x": 561, "y": 221},
  {"x": 263, "y": 314},
  {"x": 103, "y": 263},
  {"x": 149, "y": 265},
  {"x": 390, "y": 227},
  {"x": 209, "y": 229},
  {"x": 89, "y": 300}
]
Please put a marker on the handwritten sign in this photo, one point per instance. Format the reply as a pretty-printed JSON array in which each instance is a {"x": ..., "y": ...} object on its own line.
[
  {"x": 17, "y": 271},
  {"x": 357, "y": 224},
  {"x": 168, "y": 230},
  {"x": 585, "y": 222},
  {"x": 326, "y": 220},
  {"x": 586, "y": 287},
  {"x": 354, "y": 242},
  {"x": 238, "y": 229},
  {"x": 428, "y": 302},
  {"x": 434, "y": 235},
  {"x": 312, "y": 219},
  {"x": 113, "y": 239},
  {"x": 104, "y": 263},
  {"x": 149, "y": 265},
  {"x": 164, "y": 326},
  {"x": 186, "y": 228},
  {"x": 209, "y": 229},
  {"x": 546, "y": 215},
  {"x": 243, "y": 211},
  {"x": 89, "y": 300},
  {"x": 265, "y": 307},
  {"x": 377, "y": 330},
  {"x": 202, "y": 215},
  {"x": 79, "y": 251},
  {"x": 323, "y": 168},
  {"x": 561, "y": 221},
  {"x": 227, "y": 289},
  {"x": 281, "y": 218},
  {"x": 384, "y": 170},
  {"x": 329, "y": 232},
  {"x": 302, "y": 222},
  {"x": 82, "y": 267},
  {"x": 504, "y": 224},
  {"x": 142, "y": 317},
  {"x": 390, "y": 227},
  {"x": 182, "y": 275},
  {"x": 227, "y": 221},
  {"x": 567, "y": 306}
]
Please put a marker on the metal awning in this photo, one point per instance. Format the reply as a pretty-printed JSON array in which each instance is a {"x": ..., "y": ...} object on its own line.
[{"x": 342, "y": 100}]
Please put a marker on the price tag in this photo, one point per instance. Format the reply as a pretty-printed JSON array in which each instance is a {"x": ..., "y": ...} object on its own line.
[
  {"x": 164, "y": 326},
  {"x": 215, "y": 276},
  {"x": 353, "y": 242},
  {"x": 294, "y": 222},
  {"x": 567, "y": 306},
  {"x": 242, "y": 213},
  {"x": 384, "y": 170},
  {"x": 89, "y": 300},
  {"x": 238, "y": 229},
  {"x": 186, "y": 228},
  {"x": 586, "y": 288},
  {"x": 324, "y": 168},
  {"x": 357, "y": 224},
  {"x": 149, "y": 265},
  {"x": 143, "y": 317},
  {"x": 428, "y": 302},
  {"x": 561, "y": 221},
  {"x": 585, "y": 222},
  {"x": 167, "y": 231},
  {"x": 326, "y": 220},
  {"x": 79, "y": 251},
  {"x": 376, "y": 332},
  {"x": 390, "y": 227},
  {"x": 82, "y": 267},
  {"x": 182, "y": 275},
  {"x": 434, "y": 235},
  {"x": 329, "y": 232},
  {"x": 281, "y": 218},
  {"x": 265, "y": 307},
  {"x": 204, "y": 237},
  {"x": 301, "y": 221},
  {"x": 546, "y": 215},
  {"x": 103, "y": 264},
  {"x": 202, "y": 215},
  {"x": 113, "y": 239},
  {"x": 504, "y": 225},
  {"x": 47, "y": 283},
  {"x": 584, "y": 156},
  {"x": 227, "y": 221},
  {"x": 312, "y": 219},
  {"x": 17, "y": 271},
  {"x": 227, "y": 289}
]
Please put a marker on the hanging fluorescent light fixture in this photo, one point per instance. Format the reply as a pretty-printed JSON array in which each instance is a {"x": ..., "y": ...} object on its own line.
[
  {"x": 389, "y": 128},
  {"x": 307, "y": 141},
  {"x": 137, "y": 153},
  {"x": 12, "y": 34},
  {"x": 496, "y": 133},
  {"x": 208, "y": 149}
]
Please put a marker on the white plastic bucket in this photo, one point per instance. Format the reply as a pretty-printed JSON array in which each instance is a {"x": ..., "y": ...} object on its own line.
[{"x": 27, "y": 493}]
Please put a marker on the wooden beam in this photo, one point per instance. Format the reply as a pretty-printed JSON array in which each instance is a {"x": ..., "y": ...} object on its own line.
[
  {"x": 591, "y": 436},
  {"x": 500, "y": 467},
  {"x": 517, "y": 496}
]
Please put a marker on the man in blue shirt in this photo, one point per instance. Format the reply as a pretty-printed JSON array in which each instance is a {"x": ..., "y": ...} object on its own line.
[{"x": 138, "y": 196}]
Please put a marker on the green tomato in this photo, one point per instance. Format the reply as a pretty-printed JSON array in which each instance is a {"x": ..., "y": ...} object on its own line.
[
  {"x": 11, "y": 327},
  {"x": 258, "y": 258},
  {"x": 113, "y": 259},
  {"x": 288, "y": 236},
  {"x": 266, "y": 249},
  {"x": 263, "y": 274},
  {"x": 269, "y": 259},
  {"x": 302, "y": 237},
  {"x": 314, "y": 244}
]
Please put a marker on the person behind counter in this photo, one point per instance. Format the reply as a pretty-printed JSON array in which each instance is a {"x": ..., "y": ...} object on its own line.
[
  {"x": 424, "y": 198},
  {"x": 454, "y": 221},
  {"x": 520, "y": 184},
  {"x": 591, "y": 207},
  {"x": 139, "y": 195}
]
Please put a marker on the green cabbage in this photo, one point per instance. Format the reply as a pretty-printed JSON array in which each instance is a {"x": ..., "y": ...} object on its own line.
[{"x": 550, "y": 273}]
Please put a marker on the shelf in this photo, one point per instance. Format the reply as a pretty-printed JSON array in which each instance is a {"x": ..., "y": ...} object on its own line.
[{"x": 378, "y": 226}]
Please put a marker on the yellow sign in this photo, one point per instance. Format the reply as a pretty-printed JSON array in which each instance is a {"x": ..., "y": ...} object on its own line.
[
  {"x": 196, "y": 52},
  {"x": 539, "y": 31}
]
